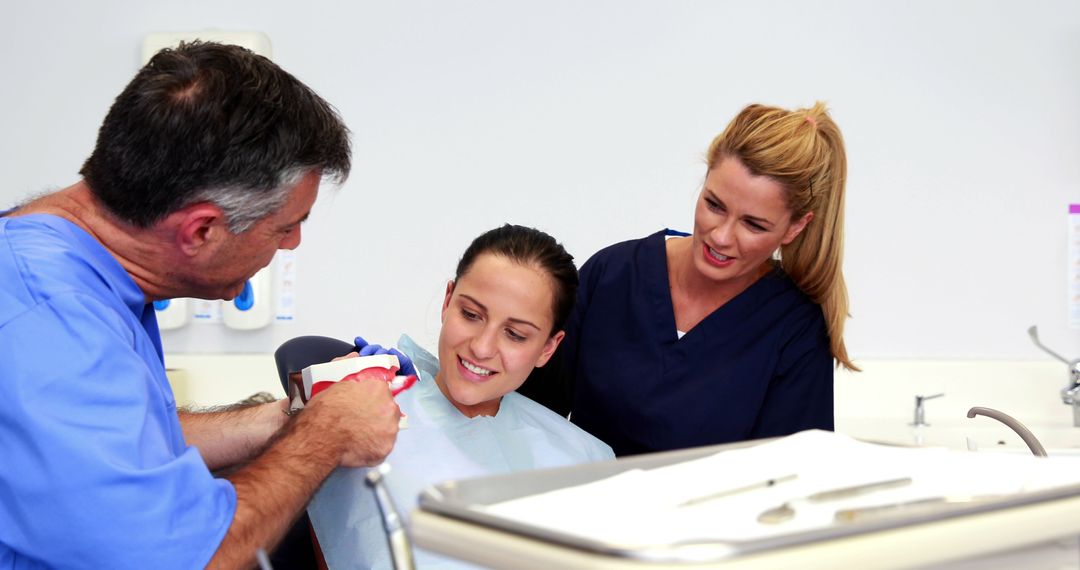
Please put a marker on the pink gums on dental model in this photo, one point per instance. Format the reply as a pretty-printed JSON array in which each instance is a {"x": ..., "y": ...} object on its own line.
[
  {"x": 398, "y": 384},
  {"x": 318, "y": 377}
]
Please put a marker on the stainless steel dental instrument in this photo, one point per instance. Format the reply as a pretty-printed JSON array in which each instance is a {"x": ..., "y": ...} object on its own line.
[
  {"x": 786, "y": 511},
  {"x": 736, "y": 490}
]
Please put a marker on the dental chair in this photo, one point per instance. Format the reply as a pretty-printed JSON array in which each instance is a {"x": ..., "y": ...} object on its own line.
[
  {"x": 297, "y": 548},
  {"x": 291, "y": 357},
  {"x": 298, "y": 353}
]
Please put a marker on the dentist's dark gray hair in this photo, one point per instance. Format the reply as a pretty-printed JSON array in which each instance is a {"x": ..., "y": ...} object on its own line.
[
  {"x": 242, "y": 208},
  {"x": 217, "y": 123}
]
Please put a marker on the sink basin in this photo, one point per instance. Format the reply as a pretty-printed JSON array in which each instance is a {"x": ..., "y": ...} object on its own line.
[{"x": 974, "y": 434}]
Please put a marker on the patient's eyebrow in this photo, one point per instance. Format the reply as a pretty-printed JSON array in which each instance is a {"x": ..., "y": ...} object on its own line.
[{"x": 511, "y": 319}]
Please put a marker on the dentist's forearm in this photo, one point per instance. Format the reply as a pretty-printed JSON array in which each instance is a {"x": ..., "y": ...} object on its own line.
[{"x": 230, "y": 437}]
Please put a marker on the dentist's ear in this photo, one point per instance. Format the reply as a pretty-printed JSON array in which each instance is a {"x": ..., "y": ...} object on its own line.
[{"x": 195, "y": 226}]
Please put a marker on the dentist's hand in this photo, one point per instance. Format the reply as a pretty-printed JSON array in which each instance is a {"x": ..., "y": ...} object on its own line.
[
  {"x": 363, "y": 348},
  {"x": 358, "y": 416}
]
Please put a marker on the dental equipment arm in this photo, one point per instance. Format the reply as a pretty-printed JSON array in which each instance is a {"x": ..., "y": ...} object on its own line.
[{"x": 400, "y": 547}]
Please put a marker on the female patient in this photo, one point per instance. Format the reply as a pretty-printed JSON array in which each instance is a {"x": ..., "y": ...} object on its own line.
[{"x": 502, "y": 316}]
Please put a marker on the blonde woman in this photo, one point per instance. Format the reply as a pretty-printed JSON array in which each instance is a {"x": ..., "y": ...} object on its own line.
[{"x": 731, "y": 332}]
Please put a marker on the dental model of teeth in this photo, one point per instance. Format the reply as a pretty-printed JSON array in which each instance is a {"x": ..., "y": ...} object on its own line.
[{"x": 318, "y": 377}]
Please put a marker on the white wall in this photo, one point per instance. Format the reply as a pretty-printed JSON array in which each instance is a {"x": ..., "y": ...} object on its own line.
[{"x": 589, "y": 119}]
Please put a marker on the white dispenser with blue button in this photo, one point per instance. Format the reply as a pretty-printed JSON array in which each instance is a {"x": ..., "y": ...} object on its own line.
[
  {"x": 253, "y": 308},
  {"x": 171, "y": 313}
]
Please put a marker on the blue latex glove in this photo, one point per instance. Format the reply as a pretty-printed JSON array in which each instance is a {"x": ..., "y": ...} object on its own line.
[{"x": 365, "y": 349}]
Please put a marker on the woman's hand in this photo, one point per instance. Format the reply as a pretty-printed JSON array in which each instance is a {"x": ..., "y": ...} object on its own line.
[{"x": 363, "y": 348}]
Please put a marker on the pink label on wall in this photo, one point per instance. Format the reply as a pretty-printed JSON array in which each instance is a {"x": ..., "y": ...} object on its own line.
[{"x": 1073, "y": 266}]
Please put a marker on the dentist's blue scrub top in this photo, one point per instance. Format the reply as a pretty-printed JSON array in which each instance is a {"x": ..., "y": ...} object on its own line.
[
  {"x": 759, "y": 366},
  {"x": 94, "y": 471}
]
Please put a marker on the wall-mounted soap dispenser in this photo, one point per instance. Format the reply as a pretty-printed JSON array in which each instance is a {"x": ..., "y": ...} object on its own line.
[
  {"x": 171, "y": 313},
  {"x": 253, "y": 308}
]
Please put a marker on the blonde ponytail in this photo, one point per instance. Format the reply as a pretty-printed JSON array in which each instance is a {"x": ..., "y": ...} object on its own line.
[{"x": 803, "y": 150}]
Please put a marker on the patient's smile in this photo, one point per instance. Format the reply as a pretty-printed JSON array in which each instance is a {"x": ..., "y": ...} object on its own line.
[
  {"x": 474, "y": 368},
  {"x": 496, "y": 320}
]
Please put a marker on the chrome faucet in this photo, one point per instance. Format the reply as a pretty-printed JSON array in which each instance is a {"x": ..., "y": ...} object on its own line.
[
  {"x": 920, "y": 413},
  {"x": 1070, "y": 394}
]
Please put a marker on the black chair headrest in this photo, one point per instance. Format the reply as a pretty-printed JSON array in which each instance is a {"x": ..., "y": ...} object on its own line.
[{"x": 298, "y": 353}]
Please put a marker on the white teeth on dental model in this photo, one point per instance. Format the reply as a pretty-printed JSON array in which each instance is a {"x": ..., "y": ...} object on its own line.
[{"x": 474, "y": 369}]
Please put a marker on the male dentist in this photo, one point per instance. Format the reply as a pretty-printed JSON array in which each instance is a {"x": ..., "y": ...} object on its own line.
[{"x": 207, "y": 163}]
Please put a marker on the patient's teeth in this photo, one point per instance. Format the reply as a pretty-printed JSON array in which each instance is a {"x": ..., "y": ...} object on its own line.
[{"x": 474, "y": 369}]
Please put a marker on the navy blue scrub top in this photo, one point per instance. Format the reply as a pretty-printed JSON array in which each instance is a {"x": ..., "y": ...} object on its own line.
[{"x": 759, "y": 366}]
